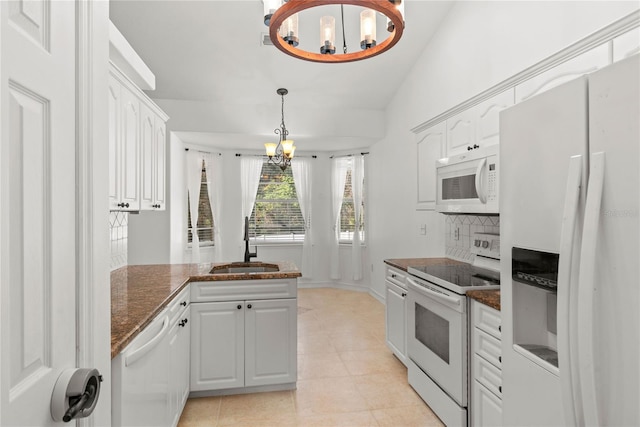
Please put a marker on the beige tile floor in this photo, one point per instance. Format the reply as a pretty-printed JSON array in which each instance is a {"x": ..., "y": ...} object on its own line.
[{"x": 346, "y": 374}]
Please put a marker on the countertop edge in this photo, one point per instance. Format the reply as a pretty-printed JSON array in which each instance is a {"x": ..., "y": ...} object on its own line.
[{"x": 488, "y": 297}]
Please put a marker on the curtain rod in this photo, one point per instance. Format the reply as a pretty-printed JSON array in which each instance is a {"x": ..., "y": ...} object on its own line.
[
  {"x": 204, "y": 152},
  {"x": 349, "y": 155},
  {"x": 264, "y": 155}
]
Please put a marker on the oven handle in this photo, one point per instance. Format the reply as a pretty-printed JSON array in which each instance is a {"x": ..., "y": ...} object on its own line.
[{"x": 416, "y": 287}]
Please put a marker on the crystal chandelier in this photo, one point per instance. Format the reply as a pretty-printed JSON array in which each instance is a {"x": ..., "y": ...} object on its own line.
[
  {"x": 281, "y": 16},
  {"x": 281, "y": 153}
]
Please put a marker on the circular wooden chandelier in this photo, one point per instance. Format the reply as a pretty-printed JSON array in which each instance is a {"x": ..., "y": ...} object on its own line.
[{"x": 286, "y": 15}]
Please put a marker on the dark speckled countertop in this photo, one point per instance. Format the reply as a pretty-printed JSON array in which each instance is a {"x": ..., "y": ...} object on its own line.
[
  {"x": 140, "y": 292},
  {"x": 488, "y": 297}
]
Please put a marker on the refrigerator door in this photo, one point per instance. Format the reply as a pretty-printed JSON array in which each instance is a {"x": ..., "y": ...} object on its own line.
[
  {"x": 539, "y": 137},
  {"x": 609, "y": 294}
]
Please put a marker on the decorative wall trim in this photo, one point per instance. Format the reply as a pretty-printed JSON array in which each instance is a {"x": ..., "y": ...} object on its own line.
[{"x": 598, "y": 38}]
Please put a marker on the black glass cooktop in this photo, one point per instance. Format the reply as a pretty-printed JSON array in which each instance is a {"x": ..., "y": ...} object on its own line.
[{"x": 458, "y": 277}]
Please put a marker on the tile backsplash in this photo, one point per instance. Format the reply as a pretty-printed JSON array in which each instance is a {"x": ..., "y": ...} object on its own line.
[
  {"x": 459, "y": 230},
  {"x": 119, "y": 229}
]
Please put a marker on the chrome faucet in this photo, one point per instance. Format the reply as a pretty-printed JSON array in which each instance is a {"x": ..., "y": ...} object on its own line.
[{"x": 248, "y": 255}]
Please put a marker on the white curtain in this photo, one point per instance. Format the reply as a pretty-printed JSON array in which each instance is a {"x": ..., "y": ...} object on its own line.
[
  {"x": 357, "y": 175},
  {"x": 250, "y": 169},
  {"x": 194, "y": 178},
  {"x": 338, "y": 178},
  {"x": 213, "y": 166},
  {"x": 301, "y": 169}
]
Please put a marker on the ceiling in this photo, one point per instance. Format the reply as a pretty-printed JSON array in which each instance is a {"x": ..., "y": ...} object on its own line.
[{"x": 217, "y": 81}]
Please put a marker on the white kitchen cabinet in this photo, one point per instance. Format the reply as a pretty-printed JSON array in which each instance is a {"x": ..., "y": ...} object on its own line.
[
  {"x": 217, "y": 345},
  {"x": 430, "y": 147},
  {"x": 153, "y": 147},
  {"x": 478, "y": 126},
  {"x": 179, "y": 355},
  {"x": 486, "y": 366},
  {"x": 137, "y": 148},
  {"x": 585, "y": 63},
  {"x": 626, "y": 45},
  {"x": 124, "y": 149},
  {"x": 244, "y": 334},
  {"x": 396, "y": 312}
]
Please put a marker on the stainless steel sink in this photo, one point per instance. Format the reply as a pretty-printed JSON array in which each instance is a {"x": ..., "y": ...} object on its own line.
[{"x": 244, "y": 267}]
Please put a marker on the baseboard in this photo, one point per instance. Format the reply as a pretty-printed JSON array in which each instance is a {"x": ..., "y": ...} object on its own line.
[{"x": 345, "y": 286}]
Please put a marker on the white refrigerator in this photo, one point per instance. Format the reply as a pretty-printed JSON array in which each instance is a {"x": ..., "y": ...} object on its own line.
[{"x": 570, "y": 259}]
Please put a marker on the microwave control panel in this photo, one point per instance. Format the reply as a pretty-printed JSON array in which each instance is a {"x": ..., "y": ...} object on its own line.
[{"x": 492, "y": 178}]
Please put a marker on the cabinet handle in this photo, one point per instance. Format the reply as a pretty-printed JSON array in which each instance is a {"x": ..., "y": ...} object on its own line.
[
  {"x": 469, "y": 148},
  {"x": 183, "y": 303},
  {"x": 123, "y": 205},
  {"x": 500, "y": 359},
  {"x": 393, "y": 276},
  {"x": 500, "y": 328},
  {"x": 248, "y": 305},
  {"x": 404, "y": 294},
  {"x": 239, "y": 306},
  {"x": 500, "y": 388}
]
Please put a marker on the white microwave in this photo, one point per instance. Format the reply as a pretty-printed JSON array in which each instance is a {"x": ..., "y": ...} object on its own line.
[{"x": 468, "y": 183}]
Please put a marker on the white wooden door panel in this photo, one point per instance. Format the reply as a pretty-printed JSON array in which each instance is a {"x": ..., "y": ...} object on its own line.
[
  {"x": 147, "y": 147},
  {"x": 487, "y": 117},
  {"x": 37, "y": 206},
  {"x": 130, "y": 150},
  {"x": 431, "y": 147},
  {"x": 270, "y": 342},
  {"x": 460, "y": 132},
  {"x": 160, "y": 163},
  {"x": 115, "y": 129}
]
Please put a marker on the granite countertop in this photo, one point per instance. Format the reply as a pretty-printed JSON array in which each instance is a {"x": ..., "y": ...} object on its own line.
[
  {"x": 140, "y": 292},
  {"x": 490, "y": 297},
  {"x": 404, "y": 263}
]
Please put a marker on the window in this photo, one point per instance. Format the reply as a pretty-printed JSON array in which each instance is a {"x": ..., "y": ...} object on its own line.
[
  {"x": 347, "y": 212},
  {"x": 205, "y": 216},
  {"x": 276, "y": 214}
]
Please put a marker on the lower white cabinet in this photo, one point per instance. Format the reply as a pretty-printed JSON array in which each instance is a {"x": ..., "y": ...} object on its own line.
[
  {"x": 486, "y": 365},
  {"x": 396, "y": 313},
  {"x": 179, "y": 362},
  {"x": 243, "y": 343}
]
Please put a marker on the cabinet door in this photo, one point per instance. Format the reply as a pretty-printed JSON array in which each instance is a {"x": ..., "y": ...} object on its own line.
[
  {"x": 160, "y": 149},
  {"x": 585, "y": 63},
  {"x": 487, "y": 117},
  {"x": 147, "y": 146},
  {"x": 217, "y": 345},
  {"x": 486, "y": 407},
  {"x": 626, "y": 45},
  {"x": 130, "y": 151},
  {"x": 461, "y": 133},
  {"x": 396, "y": 320},
  {"x": 179, "y": 340},
  {"x": 270, "y": 342},
  {"x": 115, "y": 140},
  {"x": 430, "y": 144}
]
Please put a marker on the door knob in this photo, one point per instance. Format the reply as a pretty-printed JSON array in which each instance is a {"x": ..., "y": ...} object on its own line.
[{"x": 75, "y": 394}]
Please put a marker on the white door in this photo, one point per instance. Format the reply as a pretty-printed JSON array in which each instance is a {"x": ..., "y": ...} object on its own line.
[{"x": 37, "y": 205}]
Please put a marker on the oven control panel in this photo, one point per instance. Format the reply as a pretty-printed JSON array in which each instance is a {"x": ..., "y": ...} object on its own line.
[{"x": 486, "y": 244}]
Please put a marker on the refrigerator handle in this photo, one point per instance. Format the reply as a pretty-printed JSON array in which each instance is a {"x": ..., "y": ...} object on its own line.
[
  {"x": 479, "y": 181},
  {"x": 567, "y": 355},
  {"x": 587, "y": 290}
]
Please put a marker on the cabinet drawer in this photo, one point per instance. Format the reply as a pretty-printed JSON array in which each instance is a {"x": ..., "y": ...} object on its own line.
[
  {"x": 179, "y": 303},
  {"x": 487, "y": 319},
  {"x": 397, "y": 277},
  {"x": 487, "y": 375},
  {"x": 488, "y": 347},
  {"x": 240, "y": 290}
]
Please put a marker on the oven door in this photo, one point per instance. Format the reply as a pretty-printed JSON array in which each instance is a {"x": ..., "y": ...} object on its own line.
[{"x": 437, "y": 335}]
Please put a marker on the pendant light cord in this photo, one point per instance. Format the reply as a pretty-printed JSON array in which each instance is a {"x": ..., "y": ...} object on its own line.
[{"x": 344, "y": 39}]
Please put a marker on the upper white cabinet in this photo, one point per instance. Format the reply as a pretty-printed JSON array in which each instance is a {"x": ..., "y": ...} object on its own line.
[
  {"x": 137, "y": 147},
  {"x": 478, "y": 126},
  {"x": 585, "y": 63},
  {"x": 626, "y": 45},
  {"x": 124, "y": 147},
  {"x": 431, "y": 147},
  {"x": 153, "y": 145}
]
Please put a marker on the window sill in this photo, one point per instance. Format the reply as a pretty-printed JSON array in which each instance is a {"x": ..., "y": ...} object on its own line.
[
  {"x": 277, "y": 243},
  {"x": 348, "y": 243}
]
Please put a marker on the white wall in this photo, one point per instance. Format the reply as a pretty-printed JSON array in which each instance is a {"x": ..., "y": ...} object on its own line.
[{"x": 478, "y": 45}]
